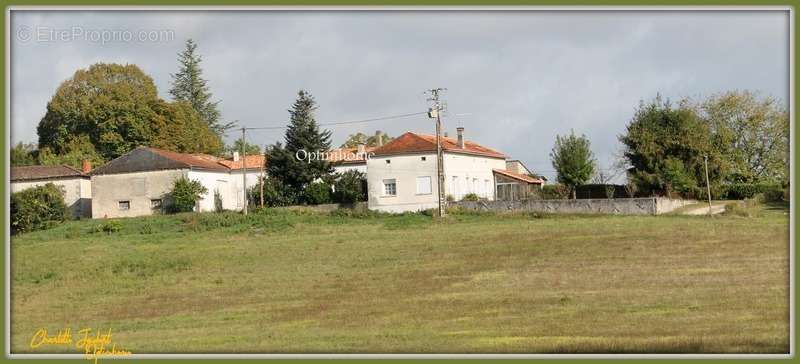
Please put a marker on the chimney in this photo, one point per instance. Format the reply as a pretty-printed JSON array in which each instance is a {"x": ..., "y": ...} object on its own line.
[
  {"x": 235, "y": 156},
  {"x": 460, "y": 131},
  {"x": 361, "y": 148},
  {"x": 86, "y": 166},
  {"x": 379, "y": 137}
]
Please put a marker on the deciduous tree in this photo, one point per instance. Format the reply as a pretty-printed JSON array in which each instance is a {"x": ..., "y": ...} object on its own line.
[{"x": 573, "y": 160}]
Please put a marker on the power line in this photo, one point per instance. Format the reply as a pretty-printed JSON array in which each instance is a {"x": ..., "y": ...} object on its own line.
[{"x": 343, "y": 122}]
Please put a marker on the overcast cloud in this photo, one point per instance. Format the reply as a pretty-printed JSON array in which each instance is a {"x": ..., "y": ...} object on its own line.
[{"x": 520, "y": 78}]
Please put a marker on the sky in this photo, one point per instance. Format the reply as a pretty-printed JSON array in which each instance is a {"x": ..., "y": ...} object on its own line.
[{"x": 514, "y": 79}]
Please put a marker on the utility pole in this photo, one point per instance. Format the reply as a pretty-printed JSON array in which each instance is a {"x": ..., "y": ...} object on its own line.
[
  {"x": 436, "y": 112},
  {"x": 708, "y": 185},
  {"x": 244, "y": 174}
]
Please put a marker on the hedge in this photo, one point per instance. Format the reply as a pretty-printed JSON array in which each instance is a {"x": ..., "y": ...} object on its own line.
[
  {"x": 37, "y": 208},
  {"x": 741, "y": 191}
]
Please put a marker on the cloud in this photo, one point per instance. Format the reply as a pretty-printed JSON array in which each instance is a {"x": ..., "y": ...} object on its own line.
[{"x": 522, "y": 77}]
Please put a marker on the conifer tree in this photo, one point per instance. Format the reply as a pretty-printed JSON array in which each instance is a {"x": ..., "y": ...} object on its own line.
[
  {"x": 291, "y": 163},
  {"x": 190, "y": 86}
]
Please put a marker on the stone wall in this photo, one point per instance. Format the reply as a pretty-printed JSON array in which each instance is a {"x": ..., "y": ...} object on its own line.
[{"x": 620, "y": 206}]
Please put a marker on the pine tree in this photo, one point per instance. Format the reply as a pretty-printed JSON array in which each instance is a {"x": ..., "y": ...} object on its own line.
[
  {"x": 303, "y": 138},
  {"x": 188, "y": 85}
]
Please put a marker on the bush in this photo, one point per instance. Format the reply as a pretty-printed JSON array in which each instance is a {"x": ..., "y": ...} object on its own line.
[
  {"x": 599, "y": 190},
  {"x": 185, "y": 194},
  {"x": 317, "y": 193},
  {"x": 350, "y": 187},
  {"x": 470, "y": 197},
  {"x": 555, "y": 192},
  {"x": 741, "y": 191},
  {"x": 277, "y": 194},
  {"x": 111, "y": 226},
  {"x": 37, "y": 208}
]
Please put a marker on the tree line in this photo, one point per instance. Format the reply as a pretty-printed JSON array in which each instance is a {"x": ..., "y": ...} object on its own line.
[{"x": 743, "y": 136}]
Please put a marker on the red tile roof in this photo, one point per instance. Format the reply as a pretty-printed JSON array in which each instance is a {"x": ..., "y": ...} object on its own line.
[
  {"x": 349, "y": 155},
  {"x": 251, "y": 162},
  {"x": 518, "y": 176},
  {"x": 29, "y": 173},
  {"x": 416, "y": 143},
  {"x": 202, "y": 161}
]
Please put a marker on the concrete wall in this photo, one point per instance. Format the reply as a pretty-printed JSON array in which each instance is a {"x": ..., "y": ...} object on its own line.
[
  {"x": 664, "y": 205},
  {"x": 621, "y": 206},
  {"x": 140, "y": 188},
  {"x": 77, "y": 193}
]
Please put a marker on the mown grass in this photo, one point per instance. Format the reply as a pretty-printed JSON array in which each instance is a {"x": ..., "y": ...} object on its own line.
[{"x": 280, "y": 281}]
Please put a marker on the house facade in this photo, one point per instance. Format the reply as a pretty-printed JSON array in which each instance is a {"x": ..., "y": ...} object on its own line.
[
  {"x": 139, "y": 182},
  {"x": 75, "y": 185},
  {"x": 402, "y": 176}
]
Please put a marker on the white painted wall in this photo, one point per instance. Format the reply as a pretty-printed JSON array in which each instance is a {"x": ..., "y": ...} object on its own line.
[
  {"x": 473, "y": 174},
  {"x": 228, "y": 184},
  {"x": 404, "y": 170},
  {"x": 214, "y": 181},
  {"x": 77, "y": 193}
]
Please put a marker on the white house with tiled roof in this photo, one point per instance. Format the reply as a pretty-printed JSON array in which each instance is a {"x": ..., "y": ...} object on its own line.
[{"x": 401, "y": 175}]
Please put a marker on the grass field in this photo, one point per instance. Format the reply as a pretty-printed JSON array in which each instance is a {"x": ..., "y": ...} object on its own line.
[{"x": 282, "y": 282}]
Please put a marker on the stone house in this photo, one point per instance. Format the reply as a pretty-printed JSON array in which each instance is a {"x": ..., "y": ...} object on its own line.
[{"x": 138, "y": 183}]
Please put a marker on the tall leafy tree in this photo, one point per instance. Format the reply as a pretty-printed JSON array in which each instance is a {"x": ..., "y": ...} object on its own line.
[
  {"x": 190, "y": 86},
  {"x": 115, "y": 108},
  {"x": 23, "y": 154},
  {"x": 665, "y": 147},
  {"x": 78, "y": 149},
  {"x": 249, "y": 149},
  {"x": 371, "y": 141},
  {"x": 290, "y": 163},
  {"x": 753, "y": 132},
  {"x": 573, "y": 160},
  {"x": 109, "y": 103},
  {"x": 179, "y": 128}
]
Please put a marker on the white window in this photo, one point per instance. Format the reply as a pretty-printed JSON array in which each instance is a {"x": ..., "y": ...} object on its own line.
[
  {"x": 424, "y": 185},
  {"x": 487, "y": 188},
  {"x": 455, "y": 187},
  {"x": 389, "y": 187},
  {"x": 475, "y": 186},
  {"x": 124, "y": 205}
]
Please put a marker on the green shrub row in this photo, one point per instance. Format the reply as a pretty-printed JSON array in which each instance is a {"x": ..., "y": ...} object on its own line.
[{"x": 741, "y": 191}]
